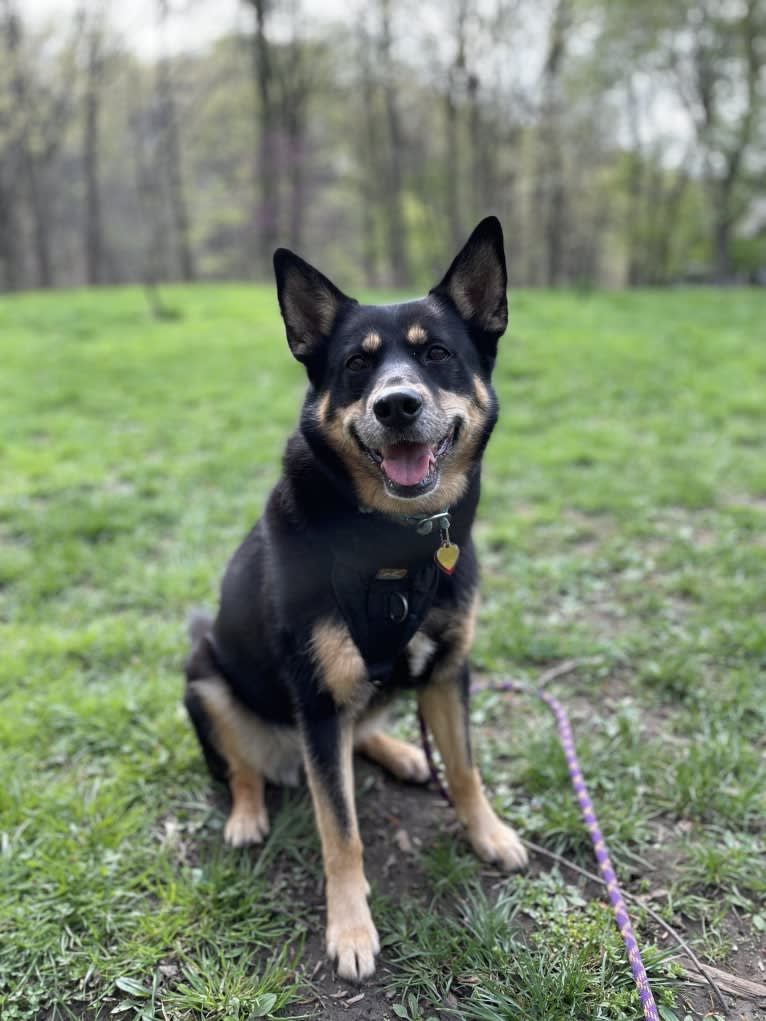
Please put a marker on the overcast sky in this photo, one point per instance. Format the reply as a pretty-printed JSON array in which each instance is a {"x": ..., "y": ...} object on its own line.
[{"x": 192, "y": 24}]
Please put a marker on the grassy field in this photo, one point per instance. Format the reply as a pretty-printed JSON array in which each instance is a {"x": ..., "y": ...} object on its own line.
[{"x": 623, "y": 524}]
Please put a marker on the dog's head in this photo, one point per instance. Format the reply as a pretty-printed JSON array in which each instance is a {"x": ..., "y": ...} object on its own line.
[{"x": 400, "y": 395}]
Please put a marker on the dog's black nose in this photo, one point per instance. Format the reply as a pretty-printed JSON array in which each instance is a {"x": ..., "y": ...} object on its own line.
[{"x": 398, "y": 408}]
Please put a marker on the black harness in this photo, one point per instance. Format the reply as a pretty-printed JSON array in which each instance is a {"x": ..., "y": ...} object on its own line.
[{"x": 383, "y": 607}]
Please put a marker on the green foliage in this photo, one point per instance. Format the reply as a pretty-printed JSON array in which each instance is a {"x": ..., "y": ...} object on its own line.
[
  {"x": 749, "y": 254},
  {"x": 622, "y": 522}
]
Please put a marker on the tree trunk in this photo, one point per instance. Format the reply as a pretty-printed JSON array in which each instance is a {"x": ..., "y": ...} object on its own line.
[
  {"x": 554, "y": 230},
  {"x": 722, "y": 231},
  {"x": 41, "y": 221},
  {"x": 452, "y": 164},
  {"x": 26, "y": 159},
  {"x": 171, "y": 158},
  {"x": 636, "y": 268},
  {"x": 267, "y": 157},
  {"x": 296, "y": 89},
  {"x": 551, "y": 164},
  {"x": 10, "y": 250},
  {"x": 369, "y": 160},
  {"x": 482, "y": 152},
  {"x": 452, "y": 94},
  {"x": 397, "y": 241},
  {"x": 149, "y": 202},
  {"x": 178, "y": 206},
  {"x": 296, "y": 157},
  {"x": 93, "y": 223}
]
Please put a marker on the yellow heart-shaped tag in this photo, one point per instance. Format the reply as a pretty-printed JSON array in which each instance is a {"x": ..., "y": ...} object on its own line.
[{"x": 447, "y": 557}]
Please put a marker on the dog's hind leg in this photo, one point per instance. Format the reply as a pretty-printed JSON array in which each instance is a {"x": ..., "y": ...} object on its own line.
[
  {"x": 229, "y": 744},
  {"x": 401, "y": 759},
  {"x": 248, "y": 821}
]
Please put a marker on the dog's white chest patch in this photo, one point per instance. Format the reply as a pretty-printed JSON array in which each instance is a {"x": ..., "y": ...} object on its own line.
[{"x": 419, "y": 651}]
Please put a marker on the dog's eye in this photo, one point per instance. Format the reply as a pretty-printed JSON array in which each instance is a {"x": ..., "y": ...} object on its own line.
[
  {"x": 356, "y": 363},
  {"x": 437, "y": 353}
]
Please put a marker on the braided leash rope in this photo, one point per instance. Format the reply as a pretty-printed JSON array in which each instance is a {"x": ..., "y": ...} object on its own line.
[{"x": 591, "y": 821}]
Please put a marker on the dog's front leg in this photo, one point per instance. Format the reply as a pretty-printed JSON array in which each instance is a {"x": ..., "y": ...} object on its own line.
[
  {"x": 352, "y": 939},
  {"x": 444, "y": 704}
]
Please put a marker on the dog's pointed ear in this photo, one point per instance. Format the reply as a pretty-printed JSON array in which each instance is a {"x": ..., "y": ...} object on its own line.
[
  {"x": 310, "y": 303},
  {"x": 477, "y": 280}
]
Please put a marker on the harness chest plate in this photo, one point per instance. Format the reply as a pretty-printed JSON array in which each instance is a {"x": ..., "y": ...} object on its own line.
[{"x": 383, "y": 610}]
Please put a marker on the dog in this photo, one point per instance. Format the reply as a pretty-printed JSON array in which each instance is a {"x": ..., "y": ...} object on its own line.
[{"x": 360, "y": 580}]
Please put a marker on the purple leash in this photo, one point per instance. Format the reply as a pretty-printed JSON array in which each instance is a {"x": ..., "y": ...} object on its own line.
[{"x": 586, "y": 805}]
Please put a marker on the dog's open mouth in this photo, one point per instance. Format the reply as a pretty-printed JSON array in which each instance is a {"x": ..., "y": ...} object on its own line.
[{"x": 411, "y": 469}]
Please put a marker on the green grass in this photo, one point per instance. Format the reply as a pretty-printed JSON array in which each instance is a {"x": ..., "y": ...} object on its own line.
[{"x": 623, "y": 522}]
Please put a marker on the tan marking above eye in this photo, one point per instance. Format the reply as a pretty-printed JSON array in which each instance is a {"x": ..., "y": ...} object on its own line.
[
  {"x": 416, "y": 334},
  {"x": 482, "y": 394},
  {"x": 322, "y": 409},
  {"x": 371, "y": 343}
]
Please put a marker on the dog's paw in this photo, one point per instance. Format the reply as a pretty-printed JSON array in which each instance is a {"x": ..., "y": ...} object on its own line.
[
  {"x": 497, "y": 843},
  {"x": 401, "y": 759},
  {"x": 410, "y": 764},
  {"x": 245, "y": 826},
  {"x": 352, "y": 942}
]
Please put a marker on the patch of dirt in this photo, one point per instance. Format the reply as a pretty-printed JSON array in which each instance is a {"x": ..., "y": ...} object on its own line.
[{"x": 747, "y": 500}]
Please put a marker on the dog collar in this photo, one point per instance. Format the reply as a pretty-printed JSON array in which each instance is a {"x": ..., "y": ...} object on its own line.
[
  {"x": 447, "y": 552},
  {"x": 425, "y": 525},
  {"x": 422, "y": 523}
]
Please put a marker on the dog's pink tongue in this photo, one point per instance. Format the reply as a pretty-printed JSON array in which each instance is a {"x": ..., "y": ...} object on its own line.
[{"x": 407, "y": 463}]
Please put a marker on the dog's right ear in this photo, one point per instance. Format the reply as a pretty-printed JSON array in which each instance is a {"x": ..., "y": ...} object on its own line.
[{"x": 309, "y": 302}]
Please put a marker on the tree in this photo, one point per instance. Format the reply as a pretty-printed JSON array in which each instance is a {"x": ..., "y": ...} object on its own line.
[
  {"x": 170, "y": 152},
  {"x": 297, "y": 80},
  {"x": 454, "y": 91},
  {"x": 393, "y": 175},
  {"x": 267, "y": 218},
  {"x": 550, "y": 165},
  {"x": 94, "y": 82},
  {"x": 41, "y": 99},
  {"x": 718, "y": 56}
]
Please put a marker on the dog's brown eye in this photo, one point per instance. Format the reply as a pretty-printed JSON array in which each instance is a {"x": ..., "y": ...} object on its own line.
[
  {"x": 437, "y": 353},
  {"x": 356, "y": 363}
]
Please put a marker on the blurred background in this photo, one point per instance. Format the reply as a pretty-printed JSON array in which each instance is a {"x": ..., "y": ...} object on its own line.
[{"x": 621, "y": 143}]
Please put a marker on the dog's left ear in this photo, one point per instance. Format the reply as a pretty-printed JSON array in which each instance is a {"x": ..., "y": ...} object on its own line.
[
  {"x": 309, "y": 302},
  {"x": 477, "y": 280}
]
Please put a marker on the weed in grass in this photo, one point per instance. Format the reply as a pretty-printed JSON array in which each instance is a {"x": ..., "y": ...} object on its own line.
[
  {"x": 485, "y": 964},
  {"x": 726, "y": 866},
  {"x": 448, "y": 866},
  {"x": 719, "y": 777},
  {"x": 221, "y": 984}
]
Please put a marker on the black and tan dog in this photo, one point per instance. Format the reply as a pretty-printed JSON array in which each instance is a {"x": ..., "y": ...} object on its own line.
[{"x": 361, "y": 577}]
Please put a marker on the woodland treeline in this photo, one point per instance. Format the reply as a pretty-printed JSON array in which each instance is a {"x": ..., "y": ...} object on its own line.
[{"x": 620, "y": 142}]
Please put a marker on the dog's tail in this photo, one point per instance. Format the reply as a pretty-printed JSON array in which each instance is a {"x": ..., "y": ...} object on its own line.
[
  {"x": 200, "y": 666},
  {"x": 199, "y": 625}
]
